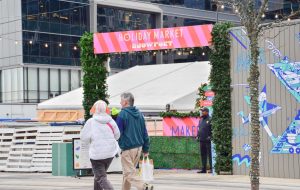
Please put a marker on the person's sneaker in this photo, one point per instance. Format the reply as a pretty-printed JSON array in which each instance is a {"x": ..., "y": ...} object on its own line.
[
  {"x": 201, "y": 172},
  {"x": 148, "y": 187}
]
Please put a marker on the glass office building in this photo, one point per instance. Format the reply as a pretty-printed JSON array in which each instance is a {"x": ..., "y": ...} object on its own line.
[
  {"x": 43, "y": 58},
  {"x": 40, "y": 57}
]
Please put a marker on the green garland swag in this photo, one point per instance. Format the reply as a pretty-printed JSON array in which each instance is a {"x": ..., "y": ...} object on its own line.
[
  {"x": 201, "y": 94},
  {"x": 179, "y": 115}
]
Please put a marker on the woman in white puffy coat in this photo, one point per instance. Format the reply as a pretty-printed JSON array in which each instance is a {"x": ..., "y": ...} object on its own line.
[{"x": 102, "y": 133}]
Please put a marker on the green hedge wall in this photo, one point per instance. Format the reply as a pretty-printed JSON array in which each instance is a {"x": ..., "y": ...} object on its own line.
[
  {"x": 94, "y": 78},
  {"x": 175, "y": 152}
]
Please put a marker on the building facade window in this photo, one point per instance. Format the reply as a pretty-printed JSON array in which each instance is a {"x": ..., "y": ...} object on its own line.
[
  {"x": 63, "y": 17},
  {"x": 51, "y": 31},
  {"x": 113, "y": 20},
  {"x": 174, "y": 21},
  {"x": 40, "y": 84},
  {"x": 54, "y": 49},
  {"x": 195, "y": 4},
  {"x": 280, "y": 8}
]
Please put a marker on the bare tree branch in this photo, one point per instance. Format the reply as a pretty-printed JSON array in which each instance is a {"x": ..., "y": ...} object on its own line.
[
  {"x": 279, "y": 22},
  {"x": 240, "y": 5},
  {"x": 296, "y": 13},
  {"x": 261, "y": 11},
  {"x": 249, "y": 12}
]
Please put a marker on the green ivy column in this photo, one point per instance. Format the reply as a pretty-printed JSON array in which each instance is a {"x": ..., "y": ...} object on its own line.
[
  {"x": 220, "y": 81},
  {"x": 94, "y": 78}
]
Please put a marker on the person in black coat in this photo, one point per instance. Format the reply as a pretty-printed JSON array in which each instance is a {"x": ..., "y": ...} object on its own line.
[{"x": 204, "y": 136}]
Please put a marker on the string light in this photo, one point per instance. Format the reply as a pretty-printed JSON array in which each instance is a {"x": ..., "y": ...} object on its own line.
[
  {"x": 289, "y": 19},
  {"x": 276, "y": 16},
  {"x": 236, "y": 11},
  {"x": 75, "y": 48},
  {"x": 191, "y": 52},
  {"x": 30, "y": 42},
  {"x": 263, "y": 15},
  {"x": 46, "y": 45},
  {"x": 203, "y": 53},
  {"x": 16, "y": 42},
  {"x": 222, "y": 6},
  {"x": 60, "y": 44}
]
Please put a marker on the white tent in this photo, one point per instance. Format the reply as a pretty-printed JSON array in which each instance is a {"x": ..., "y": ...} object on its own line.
[{"x": 153, "y": 87}]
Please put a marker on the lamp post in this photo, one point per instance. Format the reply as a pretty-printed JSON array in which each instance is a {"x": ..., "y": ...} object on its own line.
[{"x": 217, "y": 13}]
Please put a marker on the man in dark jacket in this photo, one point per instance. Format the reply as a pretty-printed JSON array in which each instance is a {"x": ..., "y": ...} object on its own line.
[
  {"x": 133, "y": 141},
  {"x": 204, "y": 135}
]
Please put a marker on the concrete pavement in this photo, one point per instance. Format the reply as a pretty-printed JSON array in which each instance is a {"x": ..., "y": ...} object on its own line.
[{"x": 164, "y": 180}]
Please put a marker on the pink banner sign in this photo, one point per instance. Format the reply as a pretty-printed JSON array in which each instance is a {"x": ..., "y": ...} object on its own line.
[
  {"x": 206, "y": 103},
  {"x": 187, "y": 126},
  {"x": 153, "y": 39},
  {"x": 209, "y": 93}
]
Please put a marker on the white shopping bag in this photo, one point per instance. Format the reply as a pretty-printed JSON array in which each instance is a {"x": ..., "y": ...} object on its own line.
[{"x": 147, "y": 170}]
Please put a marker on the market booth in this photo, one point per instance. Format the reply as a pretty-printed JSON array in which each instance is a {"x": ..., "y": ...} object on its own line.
[
  {"x": 174, "y": 84},
  {"x": 153, "y": 86}
]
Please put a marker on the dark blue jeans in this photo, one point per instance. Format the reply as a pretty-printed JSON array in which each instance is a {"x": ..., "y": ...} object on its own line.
[{"x": 99, "y": 169}]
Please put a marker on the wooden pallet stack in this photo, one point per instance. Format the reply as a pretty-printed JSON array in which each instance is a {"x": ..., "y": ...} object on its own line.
[
  {"x": 21, "y": 151},
  {"x": 42, "y": 157},
  {"x": 71, "y": 132},
  {"x": 30, "y": 149},
  {"x": 6, "y": 137},
  {"x": 42, "y": 154}
]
